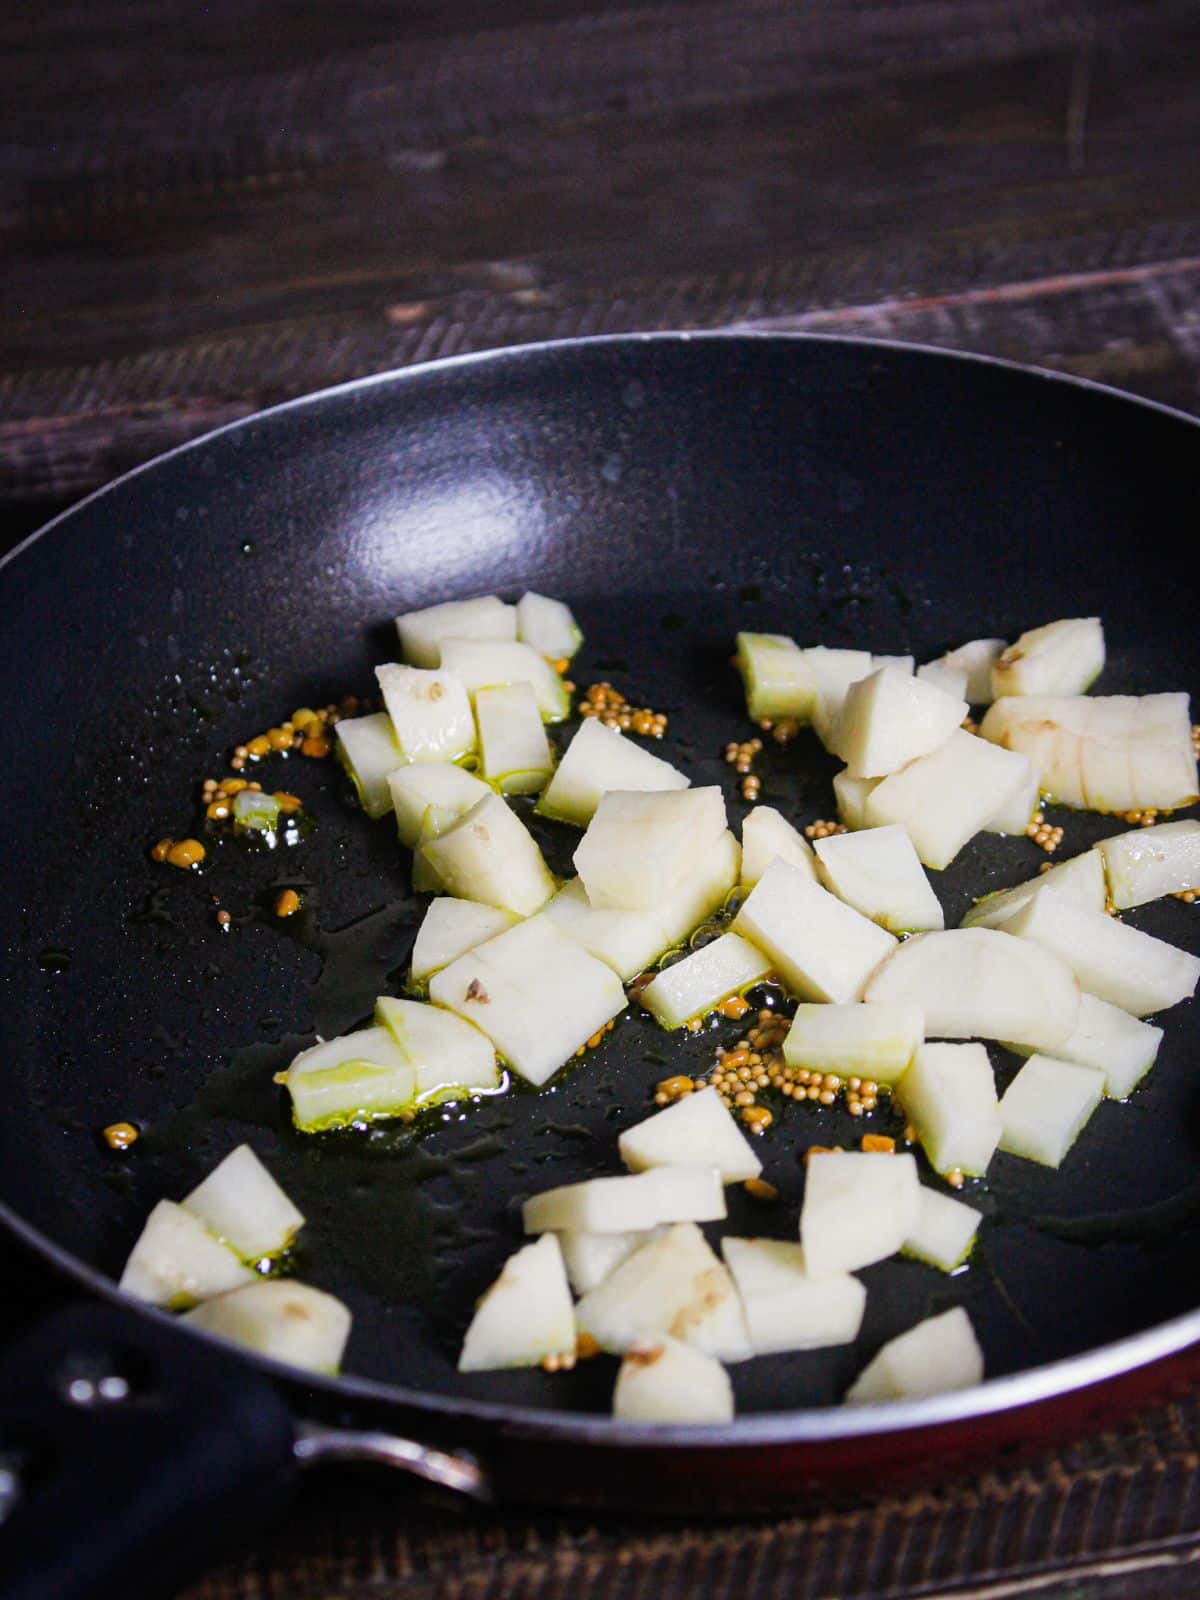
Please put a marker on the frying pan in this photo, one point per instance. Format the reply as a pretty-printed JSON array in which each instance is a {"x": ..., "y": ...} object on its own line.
[{"x": 673, "y": 489}]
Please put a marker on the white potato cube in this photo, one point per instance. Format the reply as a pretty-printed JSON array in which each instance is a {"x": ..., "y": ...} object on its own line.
[
  {"x": 696, "y": 985},
  {"x": 870, "y": 1041},
  {"x": 355, "y": 1078},
  {"x": 675, "y": 1285},
  {"x": 1150, "y": 862},
  {"x": 1016, "y": 813},
  {"x": 1060, "y": 658},
  {"x": 426, "y": 879},
  {"x": 948, "y": 796},
  {"x": 369, "y": 751},
  {"x": 430, "y": 712},
  {"x": 177, "y": 1261},
  {"x": 1045, "y": 1107},
  {"x": 415, "y": 788},
  {"x": 950, "y": 680},
  {"x": 548, "y": 626},
  {"x": 664, "y": 1380},
  {"x": 767, "y": 834},
  {"x": 489, "y": 854},
  {"x": 626, "y": 941},
  {"x": 421, "y": 632},
  {"x": 981, "y": 983},
  {"x": 833, "y": 672},
  {"x": 449, "y": 929},
  {"x": 632, "y": 1204},
  {"x": 938, "y": 1355},
  {"x": 535, "y": 993},
  {"x": 944, "y": 1231},
  {"x": 514, "y": 750},
  {"x": 851, "y": 797},
  {"x": 821, "y": 948},
  {"x": 890, "y": 718},
  {"x": 446, "y": 1054},
  {"x": 525, "y": 1316},
  {"x": 786, "y": 1308},
  {"x": 1110, "y": 959},
  {"x": 858, "y": 1208},
  {"x": 1110, "y": 1041},
  {"x": 242, "y": 1204},
  {"x": 976, "y": 658},
  {"x": 702, "y": 892},
  {"x": 597, "y": 760},
  {"x": 1111, "y": 753},
  {"x": 697, "y": 1130},
  {"x": 590, "y": 1257},
  {"x": 638, "y": 847},
  {"x": 878, "y": 872},
  {"x": 949, "y": 1095},
  {"x": 281, "y": 1319},
  {"x": 778, "y": 679},
  {"x": 1080, "y": 880},
  {"x": 483, "y": 663}
]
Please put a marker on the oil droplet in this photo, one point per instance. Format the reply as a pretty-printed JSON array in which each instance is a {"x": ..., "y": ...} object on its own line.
[
  {"x": 54, "y": 960},
  {"x": 247, "y": 548}
]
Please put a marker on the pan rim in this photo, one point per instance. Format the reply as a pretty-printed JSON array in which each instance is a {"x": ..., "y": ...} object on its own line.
[{"x": 1052, "y": 1380}]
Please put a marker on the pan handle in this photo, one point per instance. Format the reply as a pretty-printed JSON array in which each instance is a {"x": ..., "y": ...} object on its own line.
[{"x": 131, "y": 1456}]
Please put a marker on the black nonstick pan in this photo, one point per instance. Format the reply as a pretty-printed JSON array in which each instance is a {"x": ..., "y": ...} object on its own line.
[{"x": 674, "y": 490}]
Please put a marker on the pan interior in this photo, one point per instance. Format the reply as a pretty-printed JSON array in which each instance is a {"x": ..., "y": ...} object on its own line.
[{"x": 673, "y": 491}]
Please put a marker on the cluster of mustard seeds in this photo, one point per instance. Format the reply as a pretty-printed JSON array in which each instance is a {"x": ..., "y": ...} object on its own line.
[
  {"x": 120, "y": 1135},
  {"x": 217, "y": 797},
  {"x": 1188, "y": 896},
  {"x": 1196, "y": 740},
  {"x": 1140, "y": 819},
  {"x": 782, "y": 729},
  {"x": 596, "y": 1038},
  {"x": 1044, "y": 834},
  {"x": 610, "y": 706},
  {"x": 741, "y": 756},
  {"x": 305, "y": 730},
  {"x": 823, "y": 828}
]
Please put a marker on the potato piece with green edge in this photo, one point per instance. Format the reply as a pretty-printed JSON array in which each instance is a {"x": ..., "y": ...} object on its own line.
[
  {"x": 858, "y": 1208},
  {"x": 535, "y": 993},
  {"x": 1147, "y": 863},
  {"x": 525, "y": 1316},
  {"x": 430, "y": 712},
  {"x": 890, "y": 718},
  {"x": 976, "y": 658},
  {"x": 178, "y": 1261},
  {"x": 821, "y": 948},
  {"x": 939, "y": 1355},
  {"x": 590, "y": 1257},
  {"x": 1110, "y": 1041},
  {"x": 833, "y": 671},
  {"x": 449, "y": 929},
  {"x": 547, "y": 626},
  {"x": 426, "y": 879},
  {"x": 777, "y": 677},
  {"x": 355, "y": 1078},
  {"x": 484, "y": 617},
  {"x": 664, "y": 1380},
  {"x": 871, "y": 1041},
  {"x": 633, "y": 1204},
  {"x": 447, "y": 1055},
  {"x": 482, "y": 663},
  {"x": 1109, "y": 753},
  {"x": 1081, "y": 880},
  {"x": 514, "y": 751},
  {"x": 281, "y": 1319},
  {"x": 597, "y": 760},
  {"x": 1059, "y": 658},
  {"x": 850, "y": 794},
  {"x": 878, "y": 872},
  {"x": 433, "y": 783},
  {"x": 697, "y": 1130},
  {"x": 693, "y": 987},
  {"x": 944, "y": 1232},
  {"x": 1045, "y": 1108},
  {"x": 948, "y": 796},
  {"x": 1110, "y": 959},
  {"x": 981, "y": 983},
  {"x": 786, "y": 1308},
  {"x": 626, "y": 941},
  {"x": 675, "y": 1285},
  {"x": 638, "y": 846},
  {"x": 255, "y": 812},
  {"x": 369, "y": 750},
  {"x": 489, "y": 855},
  {"x": 766, "y": 833},
  {"x": 949, "y": 1096},
  {"x": 243, "y": 1205}
]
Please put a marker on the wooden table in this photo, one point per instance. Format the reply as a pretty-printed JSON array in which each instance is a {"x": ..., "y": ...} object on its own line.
[{"x": 207, "y": 210}]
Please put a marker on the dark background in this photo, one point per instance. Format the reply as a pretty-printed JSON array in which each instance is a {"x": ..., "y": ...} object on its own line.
[{"x": 206, "y": 210}]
